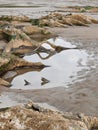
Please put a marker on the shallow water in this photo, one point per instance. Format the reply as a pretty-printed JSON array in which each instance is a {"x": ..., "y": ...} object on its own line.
[
  {"x": 6, "y": 101},
  {"x": 63, "y": 70}
]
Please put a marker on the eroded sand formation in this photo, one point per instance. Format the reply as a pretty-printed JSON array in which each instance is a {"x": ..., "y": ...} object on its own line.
[
  {"x": 33, "y": 117},
  {"x": 80, "y": 9},
  {"x": 61, "y": 20},
  {"x": 19, "y": 35},
  {"x": 17, "y": 39}
]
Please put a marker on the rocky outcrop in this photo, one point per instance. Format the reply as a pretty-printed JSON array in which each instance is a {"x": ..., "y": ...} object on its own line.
[
  {"x": 33, "y": 117},
  {"x": 81, "y": 9},
  {"x": 14, "y": 18},
  {"x": 19, "y": 37},
  {"x": 10, "y": 62},
  {"x": 4, "y": 83},
  {"x": 17, "y": 40},
  {"x": 60, "y": 20}
]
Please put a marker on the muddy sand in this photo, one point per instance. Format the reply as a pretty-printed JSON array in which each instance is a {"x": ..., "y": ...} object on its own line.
[{"x": 78, "y": 96}]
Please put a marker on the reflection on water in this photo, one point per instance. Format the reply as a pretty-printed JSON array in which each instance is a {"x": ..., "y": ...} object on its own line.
[{"x": 63, "y": 69}]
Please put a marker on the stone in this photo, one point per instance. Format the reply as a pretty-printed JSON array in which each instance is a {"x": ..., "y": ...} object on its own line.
[
  {"x": 61, "y": 20},
  {"x": 32, "y": 117},
  {"x": 14, "y": 18},
  {"x": 10, "y": 62},
  {"x": 4, "y": 83}
]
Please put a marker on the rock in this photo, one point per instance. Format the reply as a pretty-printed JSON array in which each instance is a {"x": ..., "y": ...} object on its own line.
[
  {"x": 34, "y": 29},
  {"x": 32, "y": 117},
  {"x": 14, "y": 18},
  {"x": 37, "y": 33},
  {"x": 19, "y": 42},
  {"x": 82, "y": 10},
  {"x": 21, "y": 39},
  {"x": 10, "y": 62},
  {"x": 60, "y": 20},
  {"x": 9, "y": 74},
  {"x": 2, "y": 45},
  {"x": 4, "y": 83},
  {"x": 81, "y": 17}
]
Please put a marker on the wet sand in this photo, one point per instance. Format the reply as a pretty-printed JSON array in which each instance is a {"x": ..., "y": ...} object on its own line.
[{"x": 81, "y": 96}]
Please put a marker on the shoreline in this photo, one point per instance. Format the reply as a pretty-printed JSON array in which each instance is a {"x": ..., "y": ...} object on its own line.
[{"x": 77, "y": 95}]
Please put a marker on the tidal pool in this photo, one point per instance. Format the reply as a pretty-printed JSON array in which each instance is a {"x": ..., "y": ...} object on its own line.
[{"x": 64, "y": 68}]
